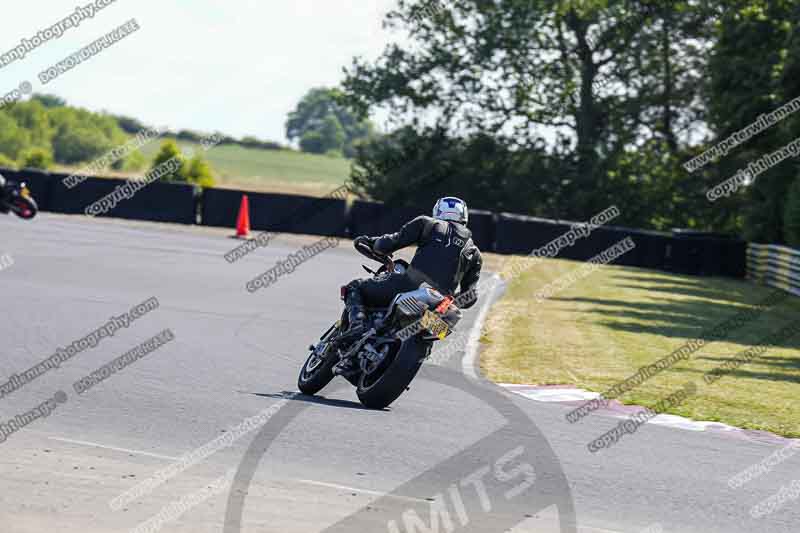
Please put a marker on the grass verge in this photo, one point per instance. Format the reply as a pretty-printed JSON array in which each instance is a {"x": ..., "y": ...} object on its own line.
[{"x": 602, "y": 329}]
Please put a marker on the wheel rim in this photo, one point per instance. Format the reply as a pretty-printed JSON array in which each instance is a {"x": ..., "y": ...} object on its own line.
[
  {"x": 316, "y": 360},
  {"x": 313, "y": 363},
  {"x": 368, "y": 380}
]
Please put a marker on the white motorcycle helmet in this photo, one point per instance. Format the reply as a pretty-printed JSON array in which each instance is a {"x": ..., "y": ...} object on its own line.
[{"x": 452, "y": 209}]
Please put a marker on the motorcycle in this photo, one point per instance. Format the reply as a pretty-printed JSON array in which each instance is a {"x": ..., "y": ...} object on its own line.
[
  {"x": 16, "y": 197},
  {"x": 391, "y": 345}
]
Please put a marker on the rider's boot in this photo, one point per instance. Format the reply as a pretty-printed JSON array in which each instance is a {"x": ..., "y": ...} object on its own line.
[
  {"x": 355, "y": 309},
  {"x": 356, "y": 319}
]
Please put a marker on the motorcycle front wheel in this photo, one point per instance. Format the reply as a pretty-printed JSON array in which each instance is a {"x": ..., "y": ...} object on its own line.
[
  {"x": 317, "y": 371},
  {"x": 24, "y": 208}
]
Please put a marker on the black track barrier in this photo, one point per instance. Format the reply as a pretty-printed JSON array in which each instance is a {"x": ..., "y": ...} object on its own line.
[
  {"x": 374, "y": 219},
  {"x": 156, "y": 202},
  {"x": 519, "y": 234},
  {"x": 280, "y": 213},
  {"x": 482, "y": 225},
  {"x": 688, "y": 252}
]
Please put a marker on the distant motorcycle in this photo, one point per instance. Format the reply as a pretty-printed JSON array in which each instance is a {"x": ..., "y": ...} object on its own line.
[
  {"x": 391, "y": 345},
  {"x": 16, "y": 197}
]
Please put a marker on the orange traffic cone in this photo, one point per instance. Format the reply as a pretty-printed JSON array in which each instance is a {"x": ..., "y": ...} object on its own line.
[{"x": 243, "y": 221}]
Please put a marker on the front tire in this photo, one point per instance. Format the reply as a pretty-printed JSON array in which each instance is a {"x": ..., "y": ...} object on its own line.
[
  {"x": 317, "y": 371},
  {"x": 380, "y": 392},
  {"x": 24, "y": 208}
]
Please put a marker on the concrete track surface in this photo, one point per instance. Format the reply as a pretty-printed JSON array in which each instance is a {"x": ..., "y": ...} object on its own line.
[{"x": 452, "y": 454}]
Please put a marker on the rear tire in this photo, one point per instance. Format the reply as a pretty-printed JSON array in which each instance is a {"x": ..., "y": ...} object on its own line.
[
  {"x": 396, "y": 378},
  {"x": 317, "y": 371}
]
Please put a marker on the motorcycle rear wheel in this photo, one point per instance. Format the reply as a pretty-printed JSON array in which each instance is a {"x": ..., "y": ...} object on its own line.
[{"x": 379, "y": 391}]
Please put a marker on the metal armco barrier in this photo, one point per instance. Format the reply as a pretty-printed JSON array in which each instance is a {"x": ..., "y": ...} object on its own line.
[{"x": 773, "y": 265}]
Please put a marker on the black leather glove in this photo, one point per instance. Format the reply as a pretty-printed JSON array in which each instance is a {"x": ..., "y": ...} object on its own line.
[{"x": 371, "y": 242}]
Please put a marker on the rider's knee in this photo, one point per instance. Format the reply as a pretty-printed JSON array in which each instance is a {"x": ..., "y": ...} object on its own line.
[{"x": 353, "y": 288}]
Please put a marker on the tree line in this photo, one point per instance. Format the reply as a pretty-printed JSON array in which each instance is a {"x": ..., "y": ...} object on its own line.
[
  {"x": 45, "y": 130},
  {"x": 561, "y": 108}
]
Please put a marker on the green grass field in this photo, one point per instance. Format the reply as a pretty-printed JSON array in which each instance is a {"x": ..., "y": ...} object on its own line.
[
  {"x": 606, "y": 326},
  {"x": 270, "y": 170}
]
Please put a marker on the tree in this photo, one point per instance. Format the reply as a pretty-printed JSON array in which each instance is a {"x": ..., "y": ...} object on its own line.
[
  {"x": 313, "y": 142},
  {"x": 7, "y": 162},
  {"x": 133, "y": 162},
  {"x": 13, "y": 139},
  {"x": 35, "y": 158},
  {"x": 329, "y": 136},
  {"x": 169, "y": 150},
  {"x": 76, "y": 145},
  {"x": 80, "y": 135},
  {"x": 33, "y": 117},
  {"x": 129, "y": 125},
  {"x": 195, "y": 170},
  {"x": 199, "y": 172},
  {"x": 322, "y": 112},
  {"x": 49, "y": 100},
  {"x": 414, "y": 168},
  {"x": 791, "y": 215},
  {"x": 754, "y": 71},
  {"x": 611, "y": 77}
]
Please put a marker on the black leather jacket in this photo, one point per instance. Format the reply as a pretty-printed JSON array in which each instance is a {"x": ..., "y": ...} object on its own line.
[{"x": 446, "y": 256}]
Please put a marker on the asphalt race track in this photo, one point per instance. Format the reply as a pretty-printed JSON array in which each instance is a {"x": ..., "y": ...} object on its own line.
[{"x": 457, "y": 453}]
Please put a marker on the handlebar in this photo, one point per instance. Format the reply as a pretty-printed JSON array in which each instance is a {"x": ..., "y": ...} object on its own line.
[{"x": 363, "y": 245}]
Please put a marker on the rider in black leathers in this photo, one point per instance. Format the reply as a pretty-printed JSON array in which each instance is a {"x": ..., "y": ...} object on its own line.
[{"x": 446, "y": 258}]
